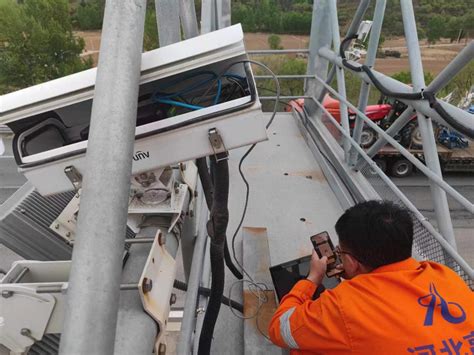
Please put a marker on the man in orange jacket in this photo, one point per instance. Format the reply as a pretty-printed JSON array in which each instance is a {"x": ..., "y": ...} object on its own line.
[{"x": 389, "y": 303}]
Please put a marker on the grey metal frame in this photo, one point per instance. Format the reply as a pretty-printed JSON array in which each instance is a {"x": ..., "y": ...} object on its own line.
[
  {"x": 189, "y": 312},
  {"x": 167, "y": 18},
  {"x": 441, "y": 80},
  {"x": 432, "y": 176},
  {"x": 446, "y": 246},
  {"x": 424, "y": 123},
  {"x": 341, "y": 82},
  {"x": 320, "y": 52},
  {"x": 379, "y": 13},
  {"x": 463, "y": 117},
  {"x": 317, "y": 67}
]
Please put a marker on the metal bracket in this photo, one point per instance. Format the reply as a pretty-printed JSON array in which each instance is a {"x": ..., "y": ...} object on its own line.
[
  {"x": 74, "y": 176},
  {"x": 218, "y": 146},
  {"x": 65, "y": 224},
  {"x": 156, "y": 284}
]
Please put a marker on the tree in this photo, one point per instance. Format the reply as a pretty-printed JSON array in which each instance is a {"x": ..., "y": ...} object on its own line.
[
  {"x": 90, "y": 15},
  {"x": 38, "y": 43},
  {"x": 274, "y": 41},
  {"x": 436, "y": 28}
]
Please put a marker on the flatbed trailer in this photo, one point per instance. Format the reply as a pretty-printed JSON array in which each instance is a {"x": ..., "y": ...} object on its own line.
[{"x": 452, "y": 160}]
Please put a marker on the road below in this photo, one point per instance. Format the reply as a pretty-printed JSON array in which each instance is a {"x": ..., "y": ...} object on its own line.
[{"x": 417, "y": 189}]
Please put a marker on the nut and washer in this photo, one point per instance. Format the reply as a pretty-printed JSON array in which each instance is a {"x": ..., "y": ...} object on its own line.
[
  {"x": 147, "y": 285},
  {"x": 7, "y": 294}
]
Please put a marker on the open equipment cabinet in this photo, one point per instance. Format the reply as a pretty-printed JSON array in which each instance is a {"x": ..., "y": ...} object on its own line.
[{"x": 189, "y": 91}]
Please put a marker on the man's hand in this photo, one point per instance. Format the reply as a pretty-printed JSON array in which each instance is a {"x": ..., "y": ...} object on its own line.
[{"x": 317, "y": 268}]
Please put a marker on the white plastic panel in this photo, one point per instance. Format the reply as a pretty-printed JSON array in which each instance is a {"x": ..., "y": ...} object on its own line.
[
  {"x": 189, "y": 142},
  {"x": 159, "y": 63}
]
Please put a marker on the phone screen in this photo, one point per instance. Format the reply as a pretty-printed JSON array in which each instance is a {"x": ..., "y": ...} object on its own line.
[{"x": 323, "y": 246}]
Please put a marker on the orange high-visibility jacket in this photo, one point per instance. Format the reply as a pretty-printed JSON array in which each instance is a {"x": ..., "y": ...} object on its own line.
[{"x": 408, "y": 307}]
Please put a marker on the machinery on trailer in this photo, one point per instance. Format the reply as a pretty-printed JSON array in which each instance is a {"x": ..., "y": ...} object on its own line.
[{"x": 392, "y": 162}]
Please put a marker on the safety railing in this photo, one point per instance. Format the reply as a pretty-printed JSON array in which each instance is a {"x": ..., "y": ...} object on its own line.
[{"x": 429, "y": 242}]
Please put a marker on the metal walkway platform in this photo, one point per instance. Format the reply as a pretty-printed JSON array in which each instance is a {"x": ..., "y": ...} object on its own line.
[{"x": 290, "y": 197}]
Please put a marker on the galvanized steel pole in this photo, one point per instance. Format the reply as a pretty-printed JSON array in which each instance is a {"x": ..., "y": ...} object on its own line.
[
  {"x": 462, "y": 117},
  {"x": 223, "y": 13},
  {"x": 320, "y": 37},
  {"x": 354, "y": 26},
  {"x": 208, "y": 16},
  {"x": 453, "y": 68},
  {"x": 187, "y": 13},
  {"x": 370, "y": 62},
  {"x": 443, "y": 78},
  {"x": 167, "y": 18},
  {"x": 424, "y": 123},
  {"x": 93, "y": 294},
  {"x": 189, "y": 313},
  {"x": 341, "y": 82}
]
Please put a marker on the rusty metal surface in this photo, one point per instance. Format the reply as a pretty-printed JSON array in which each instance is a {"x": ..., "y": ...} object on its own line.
[
  {"x": 289, "y": 194},
  {"x": 256, "y": 261},
  {"x": 291, "y": 207}
]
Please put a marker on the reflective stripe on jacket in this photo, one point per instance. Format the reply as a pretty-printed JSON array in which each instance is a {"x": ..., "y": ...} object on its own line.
[{"x": 408, "y": 307}]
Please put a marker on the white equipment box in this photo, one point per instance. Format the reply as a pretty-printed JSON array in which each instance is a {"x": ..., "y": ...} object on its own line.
[{"x": 187, "y": 90}]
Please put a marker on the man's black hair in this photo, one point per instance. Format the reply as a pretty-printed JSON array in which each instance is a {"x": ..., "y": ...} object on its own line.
[{"x": 376, "y": 232}]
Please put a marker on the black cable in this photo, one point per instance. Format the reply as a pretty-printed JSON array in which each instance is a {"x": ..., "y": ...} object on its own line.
[
  {"x": 216, "y": 228},
  {"x": 219, "y": 215},
  {"x": 208, "y": 188},
  {"x": 247, "y": 185},
  {"x": 206, "y": 181},
  {"x": 204, "y": 291},
  {"x": 229, "y": 263},
  {"x": 430, "y": 96}
]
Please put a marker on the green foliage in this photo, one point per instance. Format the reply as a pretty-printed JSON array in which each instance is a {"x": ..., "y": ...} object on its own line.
[
  {"x": 460, "y": 84},
  {"x": 89, "y": 15},
  {"x": 38, "y": 43},
  {"x": 353, "y": 86},
  {"x": 283, "y": 65},
  {"x": 436, "y": 29},
  {"x": 268, "y": 16},
  {"x": 405, "y": 77},
  {"x": 150, "y": 36},
  {"x": 286, "y": 16},
  {"x": 274, "y": 42}
]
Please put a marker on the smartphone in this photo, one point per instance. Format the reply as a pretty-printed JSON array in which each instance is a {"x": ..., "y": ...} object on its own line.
[{"x": 323, "y": 246}]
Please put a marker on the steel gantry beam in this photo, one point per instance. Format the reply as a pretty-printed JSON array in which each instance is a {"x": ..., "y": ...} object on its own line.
[
  {"x": 423, "y": 106},
  {"x": 443, "y": 79},
  {"x": 430, "y": 151},
  {"x": 372, "y": 49}
]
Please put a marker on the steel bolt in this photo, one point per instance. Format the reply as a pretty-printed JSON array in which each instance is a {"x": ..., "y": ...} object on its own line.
[
  {"x": 200, "y": 310},
  {"x": 68, "y": 234},
  {"x": 22, "y": 210},
  {"x": 56, "y": 226},
  {"x": 7, "y": 294},
  {"x": 27, "y": 333},
  {"x": 161, "y": 239},
  {"x": 147, "y": 285},
  {"x": 173, "y": 299}
]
